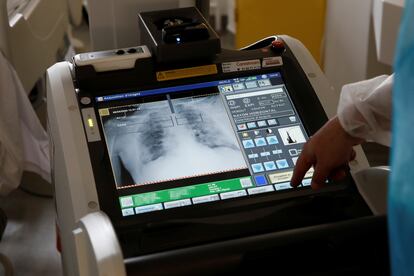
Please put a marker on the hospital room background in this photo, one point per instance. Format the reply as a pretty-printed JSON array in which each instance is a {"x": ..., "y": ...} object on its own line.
[{"x": 342, "y": 36}]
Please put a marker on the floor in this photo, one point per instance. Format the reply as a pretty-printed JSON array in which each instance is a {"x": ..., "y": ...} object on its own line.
[{"x": 29, "y": 238}]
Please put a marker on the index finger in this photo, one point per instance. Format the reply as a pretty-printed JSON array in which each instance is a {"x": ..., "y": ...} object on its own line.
[{"x": 302, "y": 166}]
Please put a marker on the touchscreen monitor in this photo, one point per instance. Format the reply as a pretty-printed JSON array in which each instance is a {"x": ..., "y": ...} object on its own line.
[{"x": 205, "y": 142}]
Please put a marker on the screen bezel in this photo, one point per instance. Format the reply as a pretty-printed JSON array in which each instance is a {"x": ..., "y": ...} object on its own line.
[{"x": 309, "y": 110}]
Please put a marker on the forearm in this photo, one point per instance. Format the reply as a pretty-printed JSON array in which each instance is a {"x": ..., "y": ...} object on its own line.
[{"x": 364, "y": 109}]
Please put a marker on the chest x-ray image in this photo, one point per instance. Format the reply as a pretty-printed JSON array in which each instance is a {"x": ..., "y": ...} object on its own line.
[{"x": 171, "y": 139}]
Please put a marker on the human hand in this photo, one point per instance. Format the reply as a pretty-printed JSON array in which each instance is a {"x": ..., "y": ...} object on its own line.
[{"x": 328, "y": 151}]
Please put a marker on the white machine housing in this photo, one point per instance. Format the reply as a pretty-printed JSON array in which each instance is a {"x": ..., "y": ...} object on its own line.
[
  {"x": 77, "y": 202},
  {"x": 386, "y": 16}
]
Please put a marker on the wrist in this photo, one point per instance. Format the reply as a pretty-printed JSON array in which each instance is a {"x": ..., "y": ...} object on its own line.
[{"x": 351, "y": 140}]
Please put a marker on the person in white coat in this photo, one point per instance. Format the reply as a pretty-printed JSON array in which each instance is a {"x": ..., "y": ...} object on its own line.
[
  {"x": 364, "y": 113},
  {"x": 24, "y": 144}
]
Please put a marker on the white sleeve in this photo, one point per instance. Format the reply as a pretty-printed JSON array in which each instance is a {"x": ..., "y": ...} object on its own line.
[{"x": 364, "y": 109}]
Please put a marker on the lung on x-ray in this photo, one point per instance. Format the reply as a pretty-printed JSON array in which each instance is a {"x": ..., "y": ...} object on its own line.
[{"x": 171, "y": 139}]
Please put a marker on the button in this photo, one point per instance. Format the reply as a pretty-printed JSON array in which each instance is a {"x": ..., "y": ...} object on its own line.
[
  {"x": 251, "y": 84},
  {"x": 128, "y": 212},
  {"x": 261, "y": 123},
  {"x": 279, "y": 151},
  {"x": 126, "y": 201},
  {"x": 247, "y": 144},
  {"x": 280, "y": 177},
  {"x": 294, "y": 160},
  {"x": 283, "y": 186},
  {"x": 272, "y": 122},
  {"x": 270, "y": 166},
  {"x": 257, "y": 167},
  {"x": 226, "y": 88},
  {"x": 85, "y": 100},
  {"x": 260, "y": 142},
  {"x": 120, "y": 52},
  {"x": 309, "y": 173},
  {"x": 306, "y": 182},
  {"x": 272, "y": 140},
  {"x": 256, "y": 132},
  {"x": 242, "y": 127},
  {"x": 293, "y": 152},
  {"x": 260, "y": 190},
  {"x": 260, "y": 180},
  {"x": 278, "y": 46},
  {"x": 233, "y": 194},
  {"x": 246, "y": 182},
  {"x": 265, "y": 82},
  {"x": 148, "y": 208},
  {"x": 204, "y": 199},
  {"x": 292, "y": 119},
  {"x": 245, "y": 135},
  {"x": 282, "y": 164},
  {"x": 269, "y": 131},
  {"x": 251, "y": 125},
  {"x": 264, "y": 154},
  {"x": 238, "y": 86},
  {"x": 132, "y": 50},
  {"x": 253, "y": 155},
  {"x": 177, "y": 203}
]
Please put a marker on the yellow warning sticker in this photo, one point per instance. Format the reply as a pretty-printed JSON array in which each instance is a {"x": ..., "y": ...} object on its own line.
[{"x": 189, "y": 72}]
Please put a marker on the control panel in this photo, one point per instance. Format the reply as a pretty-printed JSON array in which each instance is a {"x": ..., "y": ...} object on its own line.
[{"x": 269, "y": 129}]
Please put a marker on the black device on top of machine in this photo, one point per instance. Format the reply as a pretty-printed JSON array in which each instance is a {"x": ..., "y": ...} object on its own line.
[{"x": 177, "y": 35}]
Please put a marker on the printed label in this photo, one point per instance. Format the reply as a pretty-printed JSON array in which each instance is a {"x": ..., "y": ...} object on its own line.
[
  {"x": 243, "y": 65},
  {"x": 272, "y": 62},
  {"x": 187, "y": 72}
]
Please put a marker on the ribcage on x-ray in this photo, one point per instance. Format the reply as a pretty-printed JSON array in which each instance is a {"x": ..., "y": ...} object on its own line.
[
  {"x": 158, "y": 142},
  {"x": 205, "y": 130}
]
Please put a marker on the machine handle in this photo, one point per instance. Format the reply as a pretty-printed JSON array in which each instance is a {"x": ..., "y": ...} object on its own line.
[
  {"x": 372, "y": 184},
  {"x": 98, "y": 251},
  {"x": 267, "y": 41}
]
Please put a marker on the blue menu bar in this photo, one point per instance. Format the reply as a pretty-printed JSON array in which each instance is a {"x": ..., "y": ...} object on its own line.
[{"x": 172, "y": 89}]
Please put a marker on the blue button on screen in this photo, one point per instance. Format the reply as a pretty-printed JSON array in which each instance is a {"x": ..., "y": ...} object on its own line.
[
  {"x": 260, "y": 142},
  {"x": 306, "y": 182},
  {"x": 260, "y": 180},
  {"x": 247, "y": 144},
  {"x": 272, "y": 140},
  {"x": 282, "y": 164},
  {"x": 269, "y": 166},
  {"x": 258, "y": 167}
]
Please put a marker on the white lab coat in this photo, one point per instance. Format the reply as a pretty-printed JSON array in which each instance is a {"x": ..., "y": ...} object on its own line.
[
  {"x": 364, "y": 109},
  {"x": 24, "y": 144}
]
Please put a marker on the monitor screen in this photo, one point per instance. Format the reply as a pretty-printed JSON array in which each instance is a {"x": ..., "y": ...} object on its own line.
[
  {"x": 171, "y": 139},
  {"x": 197, "y": 143}
]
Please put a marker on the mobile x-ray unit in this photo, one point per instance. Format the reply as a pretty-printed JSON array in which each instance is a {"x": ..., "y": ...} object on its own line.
[{"x": 175, "y": 157}]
